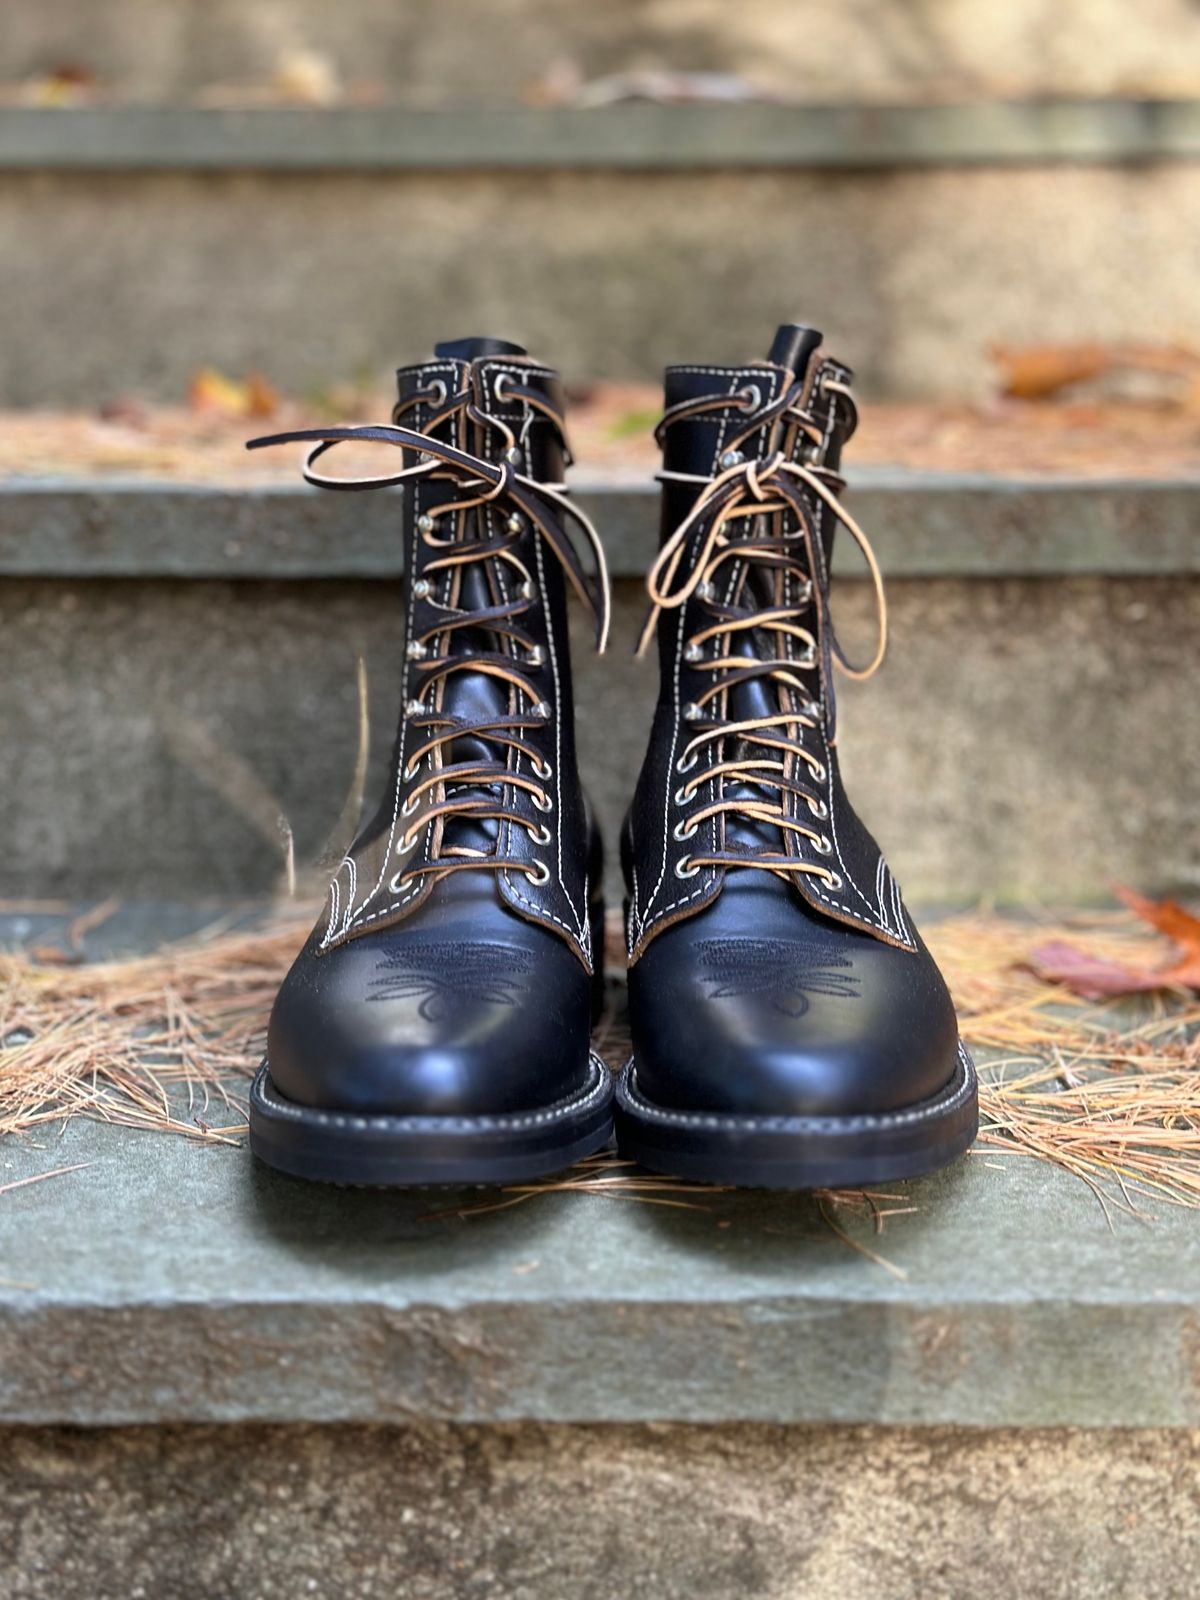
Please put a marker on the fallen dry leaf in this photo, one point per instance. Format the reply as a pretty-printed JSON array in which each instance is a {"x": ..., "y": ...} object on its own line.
[{"x": 1097, "y": 978}]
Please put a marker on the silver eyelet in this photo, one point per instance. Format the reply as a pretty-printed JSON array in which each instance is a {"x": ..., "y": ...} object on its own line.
[
  {"x": 426, "y": 458},
  {"x": 691, "y": 712},
  {"x": 705, "y": 591},
  {"x": 808, "y": 659},
  {"x": 819, "y": 809},
  {"x": 543, "y": 803},
  {"x": 693, "y": 652},
  {"x": 437, "y": 392},
  {"x": 818, "y": 773},
  {"x": 542, "y": 769},
  {"x": 805, "y": 592},
  {"x": 752, "y": 395},
  {"x": 500, "y": 388},
  {"x": 422, "y": 588},
  {"x": 681, "y": 831},
  {"x": 513, "y": 523},
  {"x": 415, "y": 650},
  {"x": 415, "y": 708},
  {"x": 527, "y": 591},
  {"x": 834, "y": 880},
  {"x": 684, "y": 795},
  {"x": 536, "y": 656},
  {"x": 682, "y": 765},
  {"x": 732, "y": 458},
  {"x": 824, "y": 845},
  {"x": 394, "y": 883},
  {"x": 409, "y": 806},
  {"x": 426, "y": 523},
  {"x": 811, "y": 709},
  {"x": 411, "y": 768},
  {"x": 683, "y": 869},
  {"x": 538, "y": 874},
  {"x": 513, "y": 456},
  {"x": 542, "y": 710},
  {"x": 540, "y": 835}
]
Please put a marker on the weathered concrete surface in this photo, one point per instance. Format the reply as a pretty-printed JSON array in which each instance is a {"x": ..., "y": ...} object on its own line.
[
  {"x": 1025, "y": 738},
  {"x": 588, "y": 1513},
  {"x": 166, "y": 1281},
  {"x": 631, "y": 136},
  {"x": 158, "y": 48},
  {"x": 911, "y": 275},
  {"x": 923, "y": 524}
]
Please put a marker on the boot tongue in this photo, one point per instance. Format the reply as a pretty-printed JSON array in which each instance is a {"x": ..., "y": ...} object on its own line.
[
  {"x": 476, "y": 347},
  {"x": 793, "y": 347},
  {"x": 474, "y": 696}
]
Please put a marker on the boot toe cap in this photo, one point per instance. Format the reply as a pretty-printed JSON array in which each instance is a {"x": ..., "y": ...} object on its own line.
[{"x": 398, "y": 1024}]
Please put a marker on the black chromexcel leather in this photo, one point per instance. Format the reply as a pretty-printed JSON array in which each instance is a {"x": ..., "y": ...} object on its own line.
[
  {"x": 435, "y": 1027},
  {"x": 790, "y": 1029}
]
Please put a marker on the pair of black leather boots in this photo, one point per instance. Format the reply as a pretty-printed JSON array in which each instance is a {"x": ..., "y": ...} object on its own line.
[{"x": 790, "y": 1029}]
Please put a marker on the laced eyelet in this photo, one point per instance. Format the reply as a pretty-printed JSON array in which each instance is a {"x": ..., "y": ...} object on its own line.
[
  {"x": 426, "y": 523},
  {"x": 824, "y": 845},
  {"x": 538, "y": 874},
  {"x": 732, "y": 458},
  {"x": 540, "y": 835},
  {"x": 415, "y": 650},
  {"x": 684, "y": 795},
  {"x": 411, "y": 768},
  {"x": 705, "y": 591},
  {"x": 818, "y": 773},
  {"x": 513, "y": 523},
  {"x": 513, "y": 456},
  {"x": 536, "y": 656},
  {"x": 410, "y": 805},
  {"x": 687, "y": 764},
  {"x": 693, "y": 652},
  {"x": 527, "y": 591},
  {"x": 543, "y": 803},
  {"x": 437, "y": 393},
  {"x": 751, "y": 397},
  {"x": 804, "y": 593},
  {"x": 681, "y": 831},
  {"x": 684, "y": 869},
  {"x": 415, "y": 708},
  {"x": 834, "y": 880},
  {"x": 691, "y": 712},
  {"x": 808, "y": 658},
  {"x": 394, "y": 883},
  {"x": 819, "y": 809},
  {"x": 542, "y": 769},
  {"x": 500, "y": 388}
]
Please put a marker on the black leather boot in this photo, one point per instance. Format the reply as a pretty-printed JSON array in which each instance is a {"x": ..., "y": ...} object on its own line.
[
  {"x": 790, "y": 1030},
  {"x": 435, "y": 1028}
]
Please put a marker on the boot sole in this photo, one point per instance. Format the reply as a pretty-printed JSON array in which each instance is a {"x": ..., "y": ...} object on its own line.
[
  {"x": 800, "y": 1152},
  {"x": 378, "y": 1151}
]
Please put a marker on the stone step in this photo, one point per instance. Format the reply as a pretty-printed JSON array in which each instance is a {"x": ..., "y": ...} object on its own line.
[
  {"x": 872, "y": 49},
  {"x": 168, "y": 1281},
  {"x": 609, "y": 238},
  {"x": 186, "y": 657}
]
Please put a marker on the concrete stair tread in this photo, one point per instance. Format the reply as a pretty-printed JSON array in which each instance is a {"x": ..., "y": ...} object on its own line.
[
  {"x": 166, "y": 1280},
  {"x": 636, "y": 135}
]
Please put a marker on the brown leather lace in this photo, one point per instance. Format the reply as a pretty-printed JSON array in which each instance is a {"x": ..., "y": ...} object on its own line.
[
  {"x": 473, "y": 790},
  {"x": 774, "y": 493}
]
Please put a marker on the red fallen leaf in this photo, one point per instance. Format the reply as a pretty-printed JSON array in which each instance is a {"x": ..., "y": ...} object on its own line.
[{"x": 1090, "y": 976}]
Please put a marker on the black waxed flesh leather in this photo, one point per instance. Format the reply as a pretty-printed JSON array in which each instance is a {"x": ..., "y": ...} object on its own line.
[
  {"x": 754, "y": 993},
  {"x": 468, "y": 994}
]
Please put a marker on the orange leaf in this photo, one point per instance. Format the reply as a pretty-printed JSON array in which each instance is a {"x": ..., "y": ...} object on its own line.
[
  {"x": 210, "y": 390},
  {"x": 1037, "y": 371},
  {"x": 1168, "y": 917}
]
